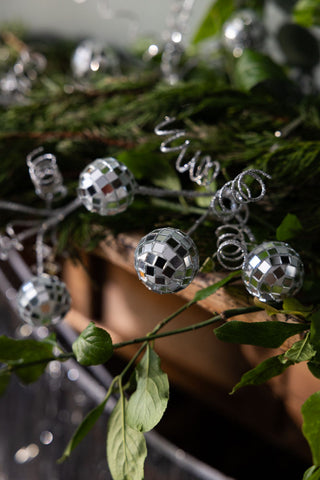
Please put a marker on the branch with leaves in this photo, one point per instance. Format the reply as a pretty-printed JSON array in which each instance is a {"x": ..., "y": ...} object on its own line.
[
  {"x": 142, "y": 388},
  {"x": 232, "y": 113}
]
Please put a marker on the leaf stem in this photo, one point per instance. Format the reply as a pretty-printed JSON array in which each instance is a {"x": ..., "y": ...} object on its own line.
[
  {"x": 87, "y": 423},
  {"x": 150, "y": 336},
  {"x": 12, "y": 367},
  {"x": 306, "y": 338},
  {"x": 172, "y": 316},
  {"x": 132, "y": 360},
  {"x": 223, "y": 316}
]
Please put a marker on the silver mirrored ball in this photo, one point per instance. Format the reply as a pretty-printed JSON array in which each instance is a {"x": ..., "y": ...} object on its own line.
[
  {"x": 166, "y": 260},
  {"x": 273, "y": 271},
  {"x": 43, "y": 300},
  {"x": 92, "y": 56},
  {"x": 243, "y": 30},
  {"x": 106, "y": 186}
]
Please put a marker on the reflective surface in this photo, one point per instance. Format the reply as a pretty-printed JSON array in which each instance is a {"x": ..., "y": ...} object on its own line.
[
  {"x": 37, "y": 421},
  {"x": 43, "y": 300},
  {"x": 272, "y": 271},
  {"x": 166, "y": 260},
  {"x": 106, "y": 186}
]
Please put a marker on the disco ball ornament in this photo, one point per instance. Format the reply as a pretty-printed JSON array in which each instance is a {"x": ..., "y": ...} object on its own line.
[
  {"x": 166, "y": 260},
  {"x": 243, "y": 30},
  {"x": 91, "y": 56},
  {"x": 43, "y": 300},
  {"x": 273, "y": 271},
  {"x": 106, "y": 187}
]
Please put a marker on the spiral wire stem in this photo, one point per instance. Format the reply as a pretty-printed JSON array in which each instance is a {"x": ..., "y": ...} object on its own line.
[
  {"x": 48, "y": 184},
  {"x": 200, "y": 169},
  {"x": 231, "y": 200},
  {"x": 228, "y": 204},
  {"x": 232, "y": 245},
  {"x": 45, "y": 175},
  {"x": 231, "y": 203}
]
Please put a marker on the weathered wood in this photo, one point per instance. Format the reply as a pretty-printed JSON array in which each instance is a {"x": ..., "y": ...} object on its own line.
[
  {"x": 120, "y": 251},
  {"x": 197, "y": 361}
]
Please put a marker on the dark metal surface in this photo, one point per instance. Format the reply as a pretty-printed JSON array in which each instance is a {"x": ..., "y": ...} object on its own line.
[{"x": 37, "y": 421}]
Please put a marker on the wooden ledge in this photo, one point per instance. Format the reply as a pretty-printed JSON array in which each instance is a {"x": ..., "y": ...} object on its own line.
[
  {"x": 128, "y": 310},
  {"x": 120, "y": 252}
]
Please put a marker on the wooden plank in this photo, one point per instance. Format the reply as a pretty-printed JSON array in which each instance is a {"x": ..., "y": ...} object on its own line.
[{"x": 120, "y": 252}]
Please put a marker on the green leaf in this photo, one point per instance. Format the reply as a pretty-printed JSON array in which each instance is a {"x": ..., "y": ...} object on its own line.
[
  {"x": 314, "y": 368},
  {"x": 214, "y": 19},
  {"x": 18, "y": 352},
  {"x": 93, "y": 346},
  {"x": 313, "y": 473},
  {"x": 301, "y": 351},
  {"x": 13, "y": 350},
  {"x": 315, "y": 329},
  {"x": 294, "y": 41},
  {"x": 311, "y": 425},
  {"x": 170, "y": 181},
  {"x": 314, "y": 363},
  {"x": 270, "y": 310},
  {"x": 288, "y": 228},
  {"x": 253, "y": 68},
  {"x": 126, "y": 448},
  {"x": 148, "y": 403},
  {"x": 270, "y": 334},
  {"x": 206, "y": 292},
  {"x": 292, "y": 306},
  {"x": 307, "y": 13},
  {"x": 263, "y": 372},
  {"x": 4, "y": 381},
  {"x": 84, "y": 428}
]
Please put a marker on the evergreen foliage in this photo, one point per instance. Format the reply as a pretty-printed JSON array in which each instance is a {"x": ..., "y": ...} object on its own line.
[
  {"x": 116, "y": 116},
  {"x": 270, "y": 126}
]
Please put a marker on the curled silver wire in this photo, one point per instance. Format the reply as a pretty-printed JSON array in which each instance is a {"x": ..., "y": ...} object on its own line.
[
  {"x": 231, "y": 200},
  {"x": 242, "y": 191},
  {"x": 45, "y": 175},
  {"x": 232, "y": 245},
  {"x": 202, "y": 170},
  {"x": 231, "y": 203}
]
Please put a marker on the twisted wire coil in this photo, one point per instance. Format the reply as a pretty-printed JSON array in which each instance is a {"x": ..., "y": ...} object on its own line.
[
  {"x": 45, "y": 175},
  {"x": 200, "y": 168}
]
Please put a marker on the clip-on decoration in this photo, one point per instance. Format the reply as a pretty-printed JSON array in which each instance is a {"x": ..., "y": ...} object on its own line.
[
  {"x": 166, "y": 259},
  {"x": 106, "y": 187}
]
